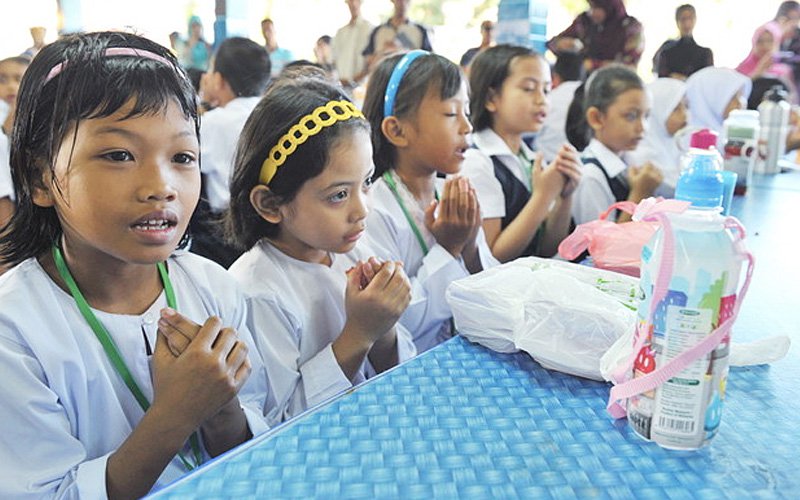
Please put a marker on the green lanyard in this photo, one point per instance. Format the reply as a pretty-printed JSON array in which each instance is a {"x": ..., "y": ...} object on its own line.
[
  {"x": 387, "y": 177},
  {"x": 111, "y": 349}
]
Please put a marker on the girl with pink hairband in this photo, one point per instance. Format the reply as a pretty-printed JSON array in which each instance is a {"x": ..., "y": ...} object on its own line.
[{"x": 125, "y": 362}]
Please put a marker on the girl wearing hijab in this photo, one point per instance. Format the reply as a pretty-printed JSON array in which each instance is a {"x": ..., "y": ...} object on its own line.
[
  {"x": 713, "y": 93},
  {"x": 197, "y": 51},
  {"x": 603, "y": 34},
  {"x": 761, "y": 60},
  {"x": 659, "y": 147}
]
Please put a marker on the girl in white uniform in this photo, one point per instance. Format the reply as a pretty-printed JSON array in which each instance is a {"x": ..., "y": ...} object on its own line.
[
  {"x": 616, "y": 106},
  {"x": 299, "y": 204},
  {"x": 526, "y": 204},
  {"x": 100, "y": 397},
  {"x": 668, "y": 116},
  {"x": 417, "y": 106}
]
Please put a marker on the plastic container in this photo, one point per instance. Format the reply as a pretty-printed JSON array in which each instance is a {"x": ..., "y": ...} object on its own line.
[
  {"x": 685, "y": 411},
  {"x": 741, "y": 132},
  {"x": 774, "y": 113},
  {"x": 701, "y": 175}
]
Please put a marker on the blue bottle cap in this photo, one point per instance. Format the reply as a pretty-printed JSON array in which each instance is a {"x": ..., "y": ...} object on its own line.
[{"x": 701, "y": 181}]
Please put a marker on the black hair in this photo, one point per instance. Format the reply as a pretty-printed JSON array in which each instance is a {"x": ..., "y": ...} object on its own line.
[
  {"x": 244, "y": 64},
  {"x": 487, "y": 73},
  {"x": 575, "y": 126},
  {"x": 326, "y": 39},
  {"x": 606, "y": 84},
  {"x": 300, "y": 66},
  {"x": 425, "y": 73},
  {"x": 760, "y": 88},
  {"x": 195, "y": 76},
  {"x": 286, "y": 101},
  {"x": 90, "y": 85},
  {"x": 600, "y": 91},
  {"x": 569, "y": 67},
  {"x": 684, "y": 7},
  {"x": 786, "y": 7}
]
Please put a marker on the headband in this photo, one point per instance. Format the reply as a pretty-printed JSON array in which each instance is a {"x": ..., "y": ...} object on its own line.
[
  {"x": 396, "y": 78},
  {"x": 109, "y": 52},
  {"x": 308, "y": 126}
]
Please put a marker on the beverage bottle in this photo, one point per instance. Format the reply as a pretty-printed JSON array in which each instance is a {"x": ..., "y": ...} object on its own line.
[
  {"x": 774, "y": 113},
  {"x": 741, "y": 137},
  {"x": 685, "y": 411}
]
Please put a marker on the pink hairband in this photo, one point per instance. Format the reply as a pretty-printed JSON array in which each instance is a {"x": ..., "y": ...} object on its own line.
[{"x": 113, "y": 51}]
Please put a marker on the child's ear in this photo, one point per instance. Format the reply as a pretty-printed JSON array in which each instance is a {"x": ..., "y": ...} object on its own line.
[
  {"x": 491, "y": 101},
  {"x": 394, "y": 131},
  {"x": 266, "y": 204},
  {"x": 594, "y": 117},
  {"x": 43, "y": 190}
]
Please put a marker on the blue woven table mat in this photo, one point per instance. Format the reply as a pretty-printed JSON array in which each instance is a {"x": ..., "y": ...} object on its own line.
[{"x": 463, "y": 421}]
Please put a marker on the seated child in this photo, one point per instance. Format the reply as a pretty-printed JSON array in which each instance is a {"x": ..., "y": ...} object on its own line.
[
  {"x": 713, "y": 93},
  {"x": 417, "y": 106},
  {"x": 299, "y": 199},
  {"x": 616, "y": 108},
  {"x": 659, "y": 147},
  {"x": 525, "y": 204},
  {"x": 235, "y": 81},
  {"x": 100, "y": 398}
]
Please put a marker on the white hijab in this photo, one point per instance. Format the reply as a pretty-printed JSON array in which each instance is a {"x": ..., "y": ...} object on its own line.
[
  {"x": 709, "y": 91},
  {"x": 658, "y": 146}
]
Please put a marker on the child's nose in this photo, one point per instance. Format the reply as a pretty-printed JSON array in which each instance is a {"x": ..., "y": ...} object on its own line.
[
  {"x": 465, "y": 125},
  {"x": 360, "y": 206},
  {"x": 156, "y": 183}
]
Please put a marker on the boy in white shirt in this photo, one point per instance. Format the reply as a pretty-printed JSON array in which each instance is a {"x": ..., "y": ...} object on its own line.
[{"x": 238, "y": 76}]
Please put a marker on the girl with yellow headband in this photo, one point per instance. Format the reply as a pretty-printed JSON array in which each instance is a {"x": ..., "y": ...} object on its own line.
[
  {"x": 417, "y": 106},
  {"x": 299, "y": 204}
]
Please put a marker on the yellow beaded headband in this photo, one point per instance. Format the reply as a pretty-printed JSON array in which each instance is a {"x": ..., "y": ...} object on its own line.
[{"x": 308, "y": 126}]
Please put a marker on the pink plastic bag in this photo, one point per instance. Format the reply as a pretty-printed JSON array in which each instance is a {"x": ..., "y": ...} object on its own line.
[{"x": 618, "y": 247}]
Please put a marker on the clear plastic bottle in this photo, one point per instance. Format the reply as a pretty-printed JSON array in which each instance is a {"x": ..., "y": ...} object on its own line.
[
  {"x": 685, "y": 411},
  {"x": 741, "y": 131}
]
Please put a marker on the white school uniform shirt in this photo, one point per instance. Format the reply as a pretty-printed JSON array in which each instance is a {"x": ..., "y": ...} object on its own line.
[
  {"x": 390, "y": 234},
  {"x": 593, "y": 194},
  {"x": 553, "y": 134},
  {"x": 298, "y": 308},
  {"x": 220, "y": 129},
  {"x": 479, "y": 168},
  {"x": 63, "y": 405},
  {"x": 348, "y": 45},
  {"x": 6, "y": 184},
  {"x": 658, "y": 146}
]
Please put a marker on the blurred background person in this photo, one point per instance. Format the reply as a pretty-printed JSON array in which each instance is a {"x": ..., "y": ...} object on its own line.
[
  {"x": 681, "y": 57},
  {"x": 603, "y": 34},
  {"x": 487, "y": 40},
  {"x": 278, "y": 56},
  {"x": 197, "y": 50},
  {"x": 348, "y": 47}
]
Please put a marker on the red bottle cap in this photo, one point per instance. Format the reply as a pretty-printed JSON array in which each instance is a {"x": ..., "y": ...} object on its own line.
[{"x": 704, "y": 139}]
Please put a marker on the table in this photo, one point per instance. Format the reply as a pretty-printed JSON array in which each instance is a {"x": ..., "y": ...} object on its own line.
[{"x": 463, "y": 421}]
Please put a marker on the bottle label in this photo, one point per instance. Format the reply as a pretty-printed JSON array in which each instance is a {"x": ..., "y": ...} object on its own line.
[{"x": 679, "y": 401}]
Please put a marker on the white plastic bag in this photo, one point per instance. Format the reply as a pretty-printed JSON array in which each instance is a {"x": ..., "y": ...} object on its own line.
[{"x": 564, "y": 315}]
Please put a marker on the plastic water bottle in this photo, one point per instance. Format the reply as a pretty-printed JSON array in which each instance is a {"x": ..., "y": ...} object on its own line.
[
  {"x": 685, "y": 411},
  {"x": 741, "y": 131},
  {"x": 774, "y": 113},
  {"x": 701, "y": 167}
]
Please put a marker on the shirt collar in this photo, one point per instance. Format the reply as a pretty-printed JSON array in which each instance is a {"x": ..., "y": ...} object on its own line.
[
  {"x": 492, "y": 144},
  {"x": 612, "y": 163}
]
